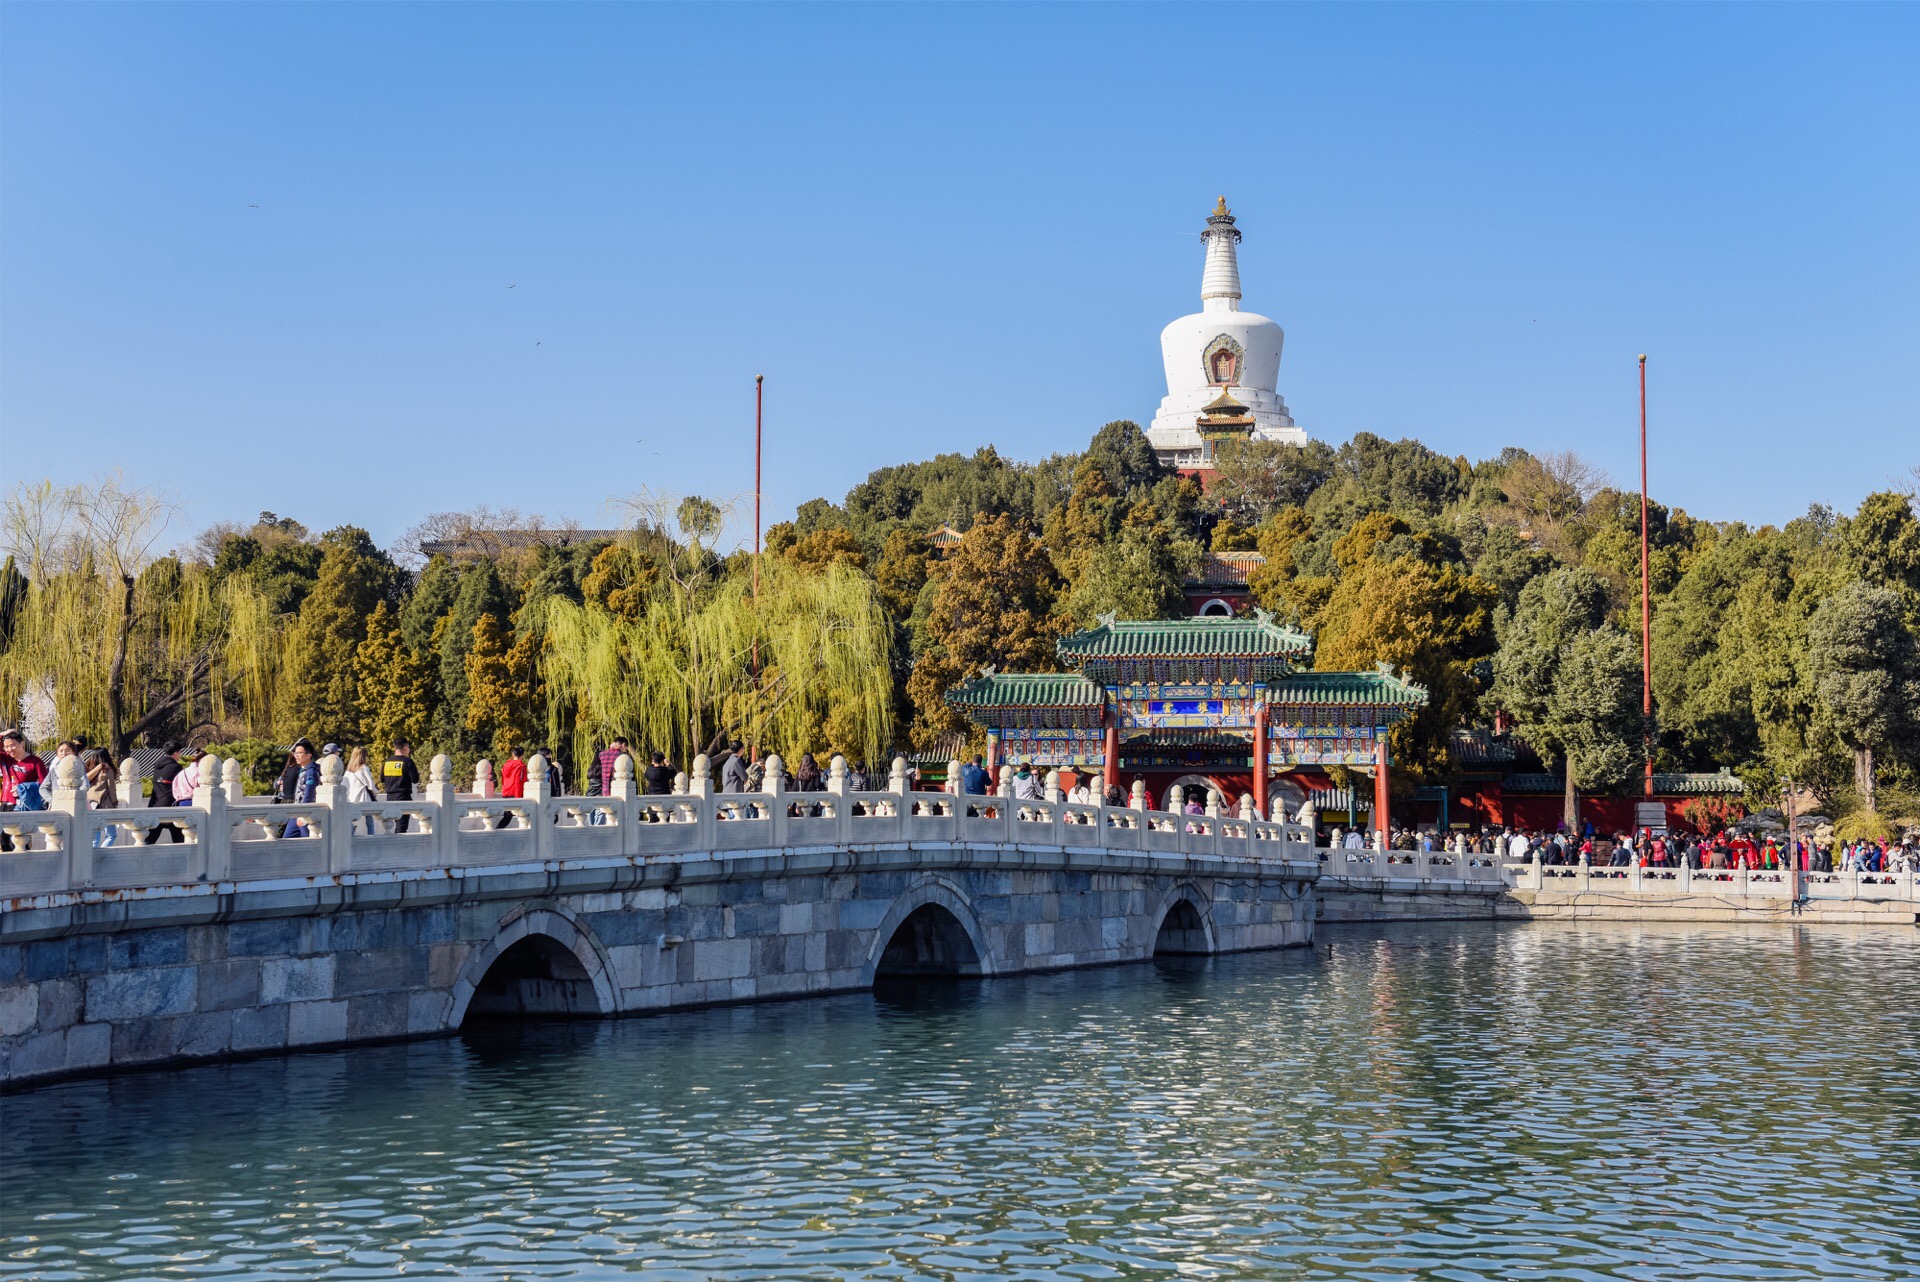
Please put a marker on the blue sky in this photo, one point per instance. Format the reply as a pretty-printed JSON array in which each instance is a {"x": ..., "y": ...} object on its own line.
[{"x": 933, "y": 228}]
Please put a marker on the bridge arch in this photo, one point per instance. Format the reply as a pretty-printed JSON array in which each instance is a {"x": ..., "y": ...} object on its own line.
[
  {"x": 542, "y": 961},
  {"x": 1184, "y": 920},
  {"x": 931, "y": 929}
]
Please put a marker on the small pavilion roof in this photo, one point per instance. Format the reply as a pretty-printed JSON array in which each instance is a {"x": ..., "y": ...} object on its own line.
[
  {"x": 1027, "y": 690},
  {"x": 1382, "y": 688},
  {"x": 1256, "y": 637}
]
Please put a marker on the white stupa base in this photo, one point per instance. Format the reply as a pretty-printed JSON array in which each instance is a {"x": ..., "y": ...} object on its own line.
[{"x": 1178, "y": 443}]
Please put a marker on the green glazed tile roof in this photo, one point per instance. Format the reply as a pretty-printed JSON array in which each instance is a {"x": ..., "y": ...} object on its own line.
[
  {"x": 1352, "y": 688},
  {"x": 1257, "y": 637},
  {"x": 1017, "y": 690}
]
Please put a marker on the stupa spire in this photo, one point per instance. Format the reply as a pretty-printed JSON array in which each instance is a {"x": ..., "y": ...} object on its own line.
[{"x": 1220, "y": 279}]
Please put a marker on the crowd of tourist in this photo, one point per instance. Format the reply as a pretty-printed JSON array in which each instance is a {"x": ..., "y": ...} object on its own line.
[{"x": 1724, "y": 851}]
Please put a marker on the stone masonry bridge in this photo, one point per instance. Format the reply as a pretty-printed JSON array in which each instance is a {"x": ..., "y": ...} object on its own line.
[
  {"x": 251, "y": 935},
  {"x": 407, "y": 919}
]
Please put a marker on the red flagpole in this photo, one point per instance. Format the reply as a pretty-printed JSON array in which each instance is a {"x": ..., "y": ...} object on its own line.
[
  {"x": 759, "y": 394},
  {"x": 759, "y": 386},
  {"x": 1646, "y": 593}
]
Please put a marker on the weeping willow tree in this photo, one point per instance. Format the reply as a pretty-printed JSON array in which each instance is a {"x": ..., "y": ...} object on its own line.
[
  {"x": 122, "y": 642},
  {"x": 678, "y": 672}
]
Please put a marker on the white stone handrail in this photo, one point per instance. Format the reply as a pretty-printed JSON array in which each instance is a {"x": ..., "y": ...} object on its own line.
[{"x": 72, "y": 848}]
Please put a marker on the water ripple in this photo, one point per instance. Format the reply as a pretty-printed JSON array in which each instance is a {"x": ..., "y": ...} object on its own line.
[{"x": 1457, "y": 1102}]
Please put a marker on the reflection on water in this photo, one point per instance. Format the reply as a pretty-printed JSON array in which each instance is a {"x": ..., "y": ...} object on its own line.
[{"x": 1447, "y": 1101}]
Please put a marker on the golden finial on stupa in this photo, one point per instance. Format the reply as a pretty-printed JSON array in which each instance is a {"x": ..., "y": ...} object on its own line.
[{"x": 1220, "y": 210}]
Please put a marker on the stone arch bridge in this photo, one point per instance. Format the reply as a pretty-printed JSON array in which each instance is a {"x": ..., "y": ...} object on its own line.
[{"x": 275, "y": 927}]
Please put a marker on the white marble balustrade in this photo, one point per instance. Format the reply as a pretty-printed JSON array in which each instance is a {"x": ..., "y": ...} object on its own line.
[{"x": 230, "y": 838}]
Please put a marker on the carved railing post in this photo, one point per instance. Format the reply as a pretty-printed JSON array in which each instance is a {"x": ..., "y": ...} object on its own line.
[
  {"x": 536, "y": 794},
  {"x": 216, "y": 831},
  {"x": 1006, "y": 781},
  {"x": 130, "y": 784},
  {"x": 444, "y": 809},
  {"x": 483, "y": 778},
  {"x": 775, "y": 788},
  {"x": 954, "y": 767},
  {"x": 700, "y": 790},
  {"x": 1137, "y": 796},
  {"x": 624, "y": 792},
  {"x": 1053, "y": 785},
  {"x": 837, "y": 775},
  {"x": 336, "y": 829},
  {"x": 897, "y": 778},
  {"x": 1176, "y": 800},
  {"x": 233, "y": 781},
  {"x": 69, "y": 798}
]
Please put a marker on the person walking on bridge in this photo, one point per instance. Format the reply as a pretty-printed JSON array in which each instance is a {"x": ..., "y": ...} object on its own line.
[
  {"x": 659, "y": 777},
  {"x": 398, "y": 774},
  {"x": 609, "y": 760},
  {"x": 733, "y": 771}
]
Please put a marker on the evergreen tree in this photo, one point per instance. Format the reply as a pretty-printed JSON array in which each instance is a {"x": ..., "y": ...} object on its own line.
[
  {"x": 1866, "y": 667},
  {"x": 503, "y": 686},
  {"x": 323, "y": 698},
  {"x": 1569, "y": 679},
  {"x": 993, "y": 606},
  {"x": 396, "y": 684},
  {"x": 481, "y": 592}
]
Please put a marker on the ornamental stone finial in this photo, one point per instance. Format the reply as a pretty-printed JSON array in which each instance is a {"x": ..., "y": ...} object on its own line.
[
  {"x": 69, "y": 775},
  {"x": 897, "y": 776},
  {"x": 680, "y": 784},
  {"x": 1246, "y": 807},
  {"x": 1006, "y": 780},
  {"x": 1053, "y": 785},
  {"x": 837, "y": 775},
  {"x": 775, "y": 782},
  {"x": 1137, "y": 796},
  {"x": 953, "y": 776},
  {"x": 1176, "y": 798},
  {"x": 330, "y": 768},
  {"x": 701, "y": 785},
  {"x": 483, "y": 778},
  {"x": 440, "y": 769},
  {"x": 129, "y": 781},
  {"x": 230, "y": 780},
  {"x": 623, "y": 767}
]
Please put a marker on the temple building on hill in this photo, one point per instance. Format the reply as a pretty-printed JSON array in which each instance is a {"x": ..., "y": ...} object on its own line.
[
  {"x": 1223, "y": 366},
  {"x": 1220, "y": 583},
  {"x": 1215, "y": 702}
]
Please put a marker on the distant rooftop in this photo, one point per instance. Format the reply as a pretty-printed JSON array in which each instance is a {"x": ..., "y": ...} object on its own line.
[{"x": 475, "y": 544}]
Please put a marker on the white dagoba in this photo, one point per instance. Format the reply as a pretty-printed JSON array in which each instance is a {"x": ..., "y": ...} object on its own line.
[{"x": 1219, "y": 349}]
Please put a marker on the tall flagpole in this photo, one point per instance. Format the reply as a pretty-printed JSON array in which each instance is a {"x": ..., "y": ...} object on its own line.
[
  {"x": 1646, "y": 593},
  {"x": 759, "y": 389},
  {"x": 759, "y": 394}
]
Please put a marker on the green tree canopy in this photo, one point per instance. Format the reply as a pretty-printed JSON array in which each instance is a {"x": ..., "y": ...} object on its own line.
[
  {"x": 1569, "y": 679},
  {"x": 1866, "y": 667}
]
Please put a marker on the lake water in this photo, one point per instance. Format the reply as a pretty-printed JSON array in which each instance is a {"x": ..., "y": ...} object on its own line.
[{"x": 1436, "y": 1101}]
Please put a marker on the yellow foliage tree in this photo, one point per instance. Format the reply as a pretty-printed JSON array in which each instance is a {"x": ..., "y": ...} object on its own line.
[
  {"x": 503, "y": 684},
  {"x": 396, "y": 684}
]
